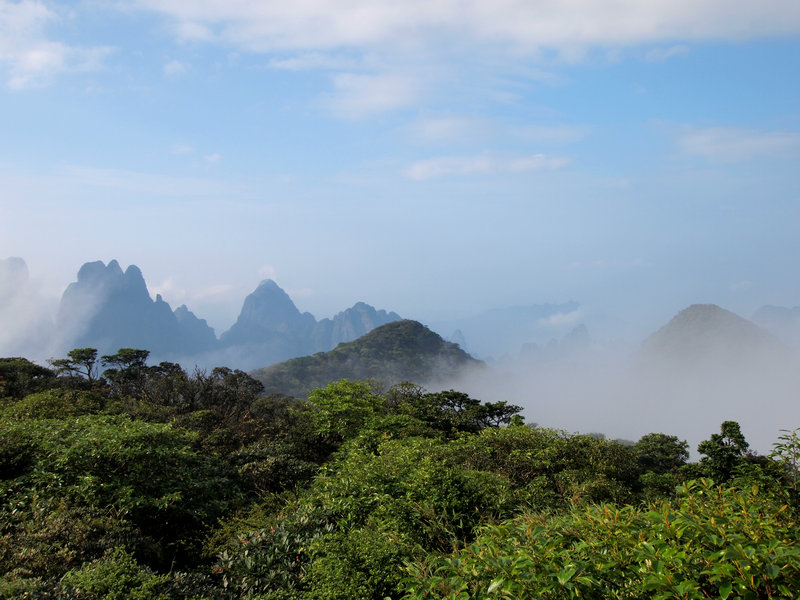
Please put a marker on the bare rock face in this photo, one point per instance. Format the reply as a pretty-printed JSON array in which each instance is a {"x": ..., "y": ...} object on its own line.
[{"x": 109, "y": 309}]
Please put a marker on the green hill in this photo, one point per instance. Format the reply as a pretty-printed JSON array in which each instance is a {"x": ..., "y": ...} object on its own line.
[{"x": 395, "y": 352}]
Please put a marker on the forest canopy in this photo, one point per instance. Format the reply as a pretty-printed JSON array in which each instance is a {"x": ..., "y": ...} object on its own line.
[{"x": 120, "y": 479}]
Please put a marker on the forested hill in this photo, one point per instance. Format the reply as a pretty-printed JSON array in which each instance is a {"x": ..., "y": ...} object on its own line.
[
  {"x": 399, "y": 351},
  {"x": 705, "y": 334}
]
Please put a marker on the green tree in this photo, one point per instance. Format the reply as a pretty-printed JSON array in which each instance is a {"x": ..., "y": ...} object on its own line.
[
  {"x": 723, "y": 451},
  {"x": 661, "y": 453},
  {"x": 20, "y": 377},
  {"x": 787, "y": 452},
  {"x": 80, "y": 363},
  {"x": 340, "y": 409},
  {"x": 126, "y": 372}
]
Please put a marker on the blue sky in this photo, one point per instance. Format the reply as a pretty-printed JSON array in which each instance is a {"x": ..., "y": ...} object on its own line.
[{"x": 434, "y": 158}]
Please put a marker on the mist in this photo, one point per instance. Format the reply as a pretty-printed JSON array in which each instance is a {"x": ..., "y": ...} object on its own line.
[
  {"x": 622, "y": 395},
  {"x": 26, "y": 313}
]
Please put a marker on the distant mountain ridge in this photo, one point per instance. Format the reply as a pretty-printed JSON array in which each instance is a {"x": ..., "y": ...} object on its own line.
[
  {"x": 392, "y": 353},
  {"x": 108, "y": 308}
]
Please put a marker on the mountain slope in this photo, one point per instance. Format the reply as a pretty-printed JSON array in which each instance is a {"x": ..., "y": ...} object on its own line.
[
  {"x": 706, "y": 332},
  {"x": 395, "y": 352}
]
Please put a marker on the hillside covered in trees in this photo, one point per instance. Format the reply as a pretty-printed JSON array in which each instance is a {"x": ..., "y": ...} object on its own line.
[
  {"x": 121, "y": 479},
  {"x": 393, "y": 353}
]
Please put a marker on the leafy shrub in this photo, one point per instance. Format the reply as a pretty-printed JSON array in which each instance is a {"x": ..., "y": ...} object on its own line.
[
  {"x": 714, "y": 543},
  {"x": 550, "y": 468},
  {"x": 116, "y": 576},
  {"x": 347, "y": 536},
  {"x": 56, "y": 404},
  {"x": 147, "y": 474}
]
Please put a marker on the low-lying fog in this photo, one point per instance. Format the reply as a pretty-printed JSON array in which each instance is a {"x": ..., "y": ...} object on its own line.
[{"x": 624, "y": 396}]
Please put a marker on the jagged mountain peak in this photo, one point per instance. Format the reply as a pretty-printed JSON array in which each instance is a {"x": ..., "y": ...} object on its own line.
[{"x": 109, "y": 309}]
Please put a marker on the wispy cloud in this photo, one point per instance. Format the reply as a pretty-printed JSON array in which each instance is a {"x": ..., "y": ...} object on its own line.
[
  {"x": 448, "y": 129},
  {"x": 313, "y": 60},
  {"x": 174, "y": 68},
  {"x": 320, "y": 24},
  {"x": 727, "y": 144},
  {"x": 664, "y": 54},
  {"x": 398, "y": 38},
  {"x": 453, "y": 128},
  {"x": 483, "y": 164},
  {"x": 181, "y": 149},
  {"x": 361, "y": 95},
  {"x": 29, "y": 57}
]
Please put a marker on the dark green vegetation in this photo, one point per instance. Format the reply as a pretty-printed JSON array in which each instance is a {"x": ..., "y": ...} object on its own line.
[
  {"x": 123, "y": 480},
  {"x": 399, "y": 351}
]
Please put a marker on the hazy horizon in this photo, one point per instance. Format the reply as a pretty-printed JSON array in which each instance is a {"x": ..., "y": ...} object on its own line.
[
  {"x": 437, "y": 159},
  {"x": 609, "y": 319}
]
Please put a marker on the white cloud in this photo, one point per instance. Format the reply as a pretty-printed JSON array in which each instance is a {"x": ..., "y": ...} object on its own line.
[
  {"x": 267, "y": 272},
  {"x": 551, "y": 135},
  {"x": 373, "y": 45},
  {"x": 174, "y": 68},
  {"x": 726, "y": 144},
  {"x": 181, "y": 149},
  {"x": 170, "y": 291},
  {"x": 444, "y": 166},
  {"x": 448, "y": 129},
  {"x": 664, "y": 54},
  {"x": 26, "y": 53},
  {"x": 569, "y": 27},
  {"x": 213, "y": 158},
  {"x": 313, "y": 60},
  {"x": 453, "y": 128},
  {"x": 358, "y": 95}
]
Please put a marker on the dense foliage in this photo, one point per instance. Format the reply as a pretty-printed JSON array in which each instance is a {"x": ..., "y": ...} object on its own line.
[{"x": 120, "y": 479}]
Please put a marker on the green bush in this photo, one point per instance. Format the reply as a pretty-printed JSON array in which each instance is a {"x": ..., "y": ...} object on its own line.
[
  {"x": 348, "y": 535},
  {"x": 147, "y": 475},
  {"x": 712, "y": 543},
  {"x": 116, "y": 576},
  {"x": 56, "y": 404}
]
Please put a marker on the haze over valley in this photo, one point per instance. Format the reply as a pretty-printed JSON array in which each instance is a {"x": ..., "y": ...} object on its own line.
[{"x": 705, "y": 362}]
